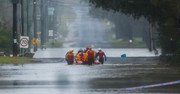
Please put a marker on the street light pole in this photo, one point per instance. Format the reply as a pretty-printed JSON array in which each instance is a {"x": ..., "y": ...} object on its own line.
[
  {"x": 28, "y": 24},
  {"x": 43, "y": 22},
  {"x": 35, "y": 23},
  {"x": 15, "y": 50}
]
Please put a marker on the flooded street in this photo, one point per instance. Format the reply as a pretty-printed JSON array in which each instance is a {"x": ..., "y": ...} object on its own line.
[
  {"x": 110, "y": 52},
  {"x": 86, "y": 30},
  {"x": 48, "y": 73},
  {"x": 116, "y": 76}
]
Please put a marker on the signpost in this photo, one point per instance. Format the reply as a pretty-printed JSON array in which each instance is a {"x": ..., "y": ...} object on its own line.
[
  {"x": 51, "y": 33},
  {"x": 15, "y": 2},
  {"x": 51, "y": 11},
  {"x": 24, "y": 42},
  {"x": 35, "y": 41}
]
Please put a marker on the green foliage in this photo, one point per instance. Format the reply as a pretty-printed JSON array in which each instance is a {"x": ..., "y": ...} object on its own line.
[
  {"x": 13, "y": 60},
  {"x": 5, "y": 39},
  {"x": 56, "y": 44},
  {"x": 137, "y": 8},
  {"x": 164, "y": 12},
  {"x": 120, "y": 43}
]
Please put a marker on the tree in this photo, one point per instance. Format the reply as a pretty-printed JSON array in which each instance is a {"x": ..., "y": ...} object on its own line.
[
  {"x": 166, "y": 13},
  {"x": 126, "y": 27},
  {"x": 5, "y": 40}
]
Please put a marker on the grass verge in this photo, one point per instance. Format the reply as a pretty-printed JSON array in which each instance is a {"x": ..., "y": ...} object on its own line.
[
  {"x": 14, "y": 60},
  {"x": 120, "y": 43}
]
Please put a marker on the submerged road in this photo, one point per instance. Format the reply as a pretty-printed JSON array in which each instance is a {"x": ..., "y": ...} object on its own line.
[
  {"x": 116, "y": 76},
  {"x": 110, "y": 52},
  {"x": 51, "y": 75}
]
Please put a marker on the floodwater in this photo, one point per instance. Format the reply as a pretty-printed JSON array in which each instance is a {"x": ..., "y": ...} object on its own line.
[
  {"x": 51, "y": 75},
  {"x": 110, "y": 52},
  {"x": 114, "y": 77}
]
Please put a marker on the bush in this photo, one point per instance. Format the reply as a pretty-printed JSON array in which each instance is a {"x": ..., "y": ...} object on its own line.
[
  {"x": 56, "y": 44},
  {"x": 5, "y": 40}
]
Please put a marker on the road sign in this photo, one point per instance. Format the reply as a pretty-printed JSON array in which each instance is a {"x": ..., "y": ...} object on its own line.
[
  {"x": 51, "y": 11},
  {"x": 51, "y": 33},
  {"x": 38, "y": 33},
  {"x": 24, "y": 42},
  {"x": 34, "y": 41}
]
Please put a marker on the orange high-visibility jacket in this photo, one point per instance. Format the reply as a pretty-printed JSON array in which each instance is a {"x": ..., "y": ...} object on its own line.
[
  {"x": 79, "y": 56},
  {"x": 85, "y": 58},
  {"x": 70, "y": 56},
  {"x": 91, "y": 54}
]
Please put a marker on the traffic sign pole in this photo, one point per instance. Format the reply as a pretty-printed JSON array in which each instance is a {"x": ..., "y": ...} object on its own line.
[
  {"x": 15, "y": 51},
  {"x": 35, "y": 22}
]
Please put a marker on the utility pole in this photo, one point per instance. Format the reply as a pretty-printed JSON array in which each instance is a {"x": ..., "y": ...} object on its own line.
[
  {"x": 35, "y": 22},
  {"x": 15, "y": 50},
  {"x": 22, "y": 18},
  {"x": 46, "y": 2},
  {"x": 22, "y": 23},
  {"x": 28, "y": 24},
  {"x": 51, "y": 16},
  {"x": 42, "y": 23},
  {"x": 150, "y": 37}
]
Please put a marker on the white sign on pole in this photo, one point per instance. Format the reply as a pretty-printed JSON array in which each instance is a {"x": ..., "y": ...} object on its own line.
[
  {"x": 51, "y": 11},
  {"x": 51, "y": 33},
  {"x": 24, "y": 42}
]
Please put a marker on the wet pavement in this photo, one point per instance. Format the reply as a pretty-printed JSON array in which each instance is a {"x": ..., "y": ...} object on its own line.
[
  {"x": 114, "y": 77},
  {"x": 86, "y": 30},
  {"x": 110, "y": 52},
  {"x": 50, "y": 74}
]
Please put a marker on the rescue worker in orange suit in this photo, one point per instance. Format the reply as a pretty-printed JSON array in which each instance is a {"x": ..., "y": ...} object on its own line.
[
  {"x": 80, "y": 50},
  {"x": 79, "y": 57},
  {"x": 85, "y": 58},
  {"x": 70, "y": 57},
  {"x": 85, "y": 50},
  {"x": 101, "y": 55},
  {"x": 91, "y": 56}
]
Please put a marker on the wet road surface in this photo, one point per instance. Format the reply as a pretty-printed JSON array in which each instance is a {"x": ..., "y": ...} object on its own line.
[
  {"x": 86, "y": 30},
  {"x": 114, "y": 77},
  {"x": 51, "y": 75},
  {"x": 110, "y": 52}
]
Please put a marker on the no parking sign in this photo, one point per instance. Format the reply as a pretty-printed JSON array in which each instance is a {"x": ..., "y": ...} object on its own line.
[{"x": 24, "y": 42}]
